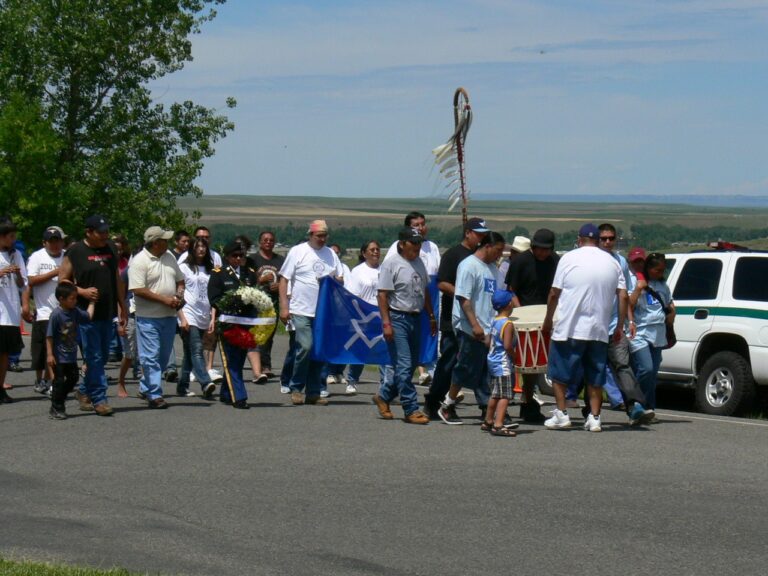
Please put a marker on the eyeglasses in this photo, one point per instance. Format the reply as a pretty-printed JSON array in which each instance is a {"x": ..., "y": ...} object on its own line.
[{"x": 607, "y": 238}]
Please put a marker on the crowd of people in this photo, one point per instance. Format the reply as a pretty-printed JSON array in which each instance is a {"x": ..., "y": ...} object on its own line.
[{"x": 606, "y": 319}]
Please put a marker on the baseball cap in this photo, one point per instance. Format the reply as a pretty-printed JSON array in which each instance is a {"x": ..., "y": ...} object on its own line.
[
  {"x": 636, "y": 253},
  {"x": 53, "y": 233},
  {"x": 409, "y": 234},
  {"x": 589, "y": 231},
  {"x": 156, "y": 233},
  {"x": 501, "y": 299},
  {"x": 97, "y": 222},
  {"x": 234, "y": 246},
  {"x": 521, "y": 244},
  {"x": 543, "y": 238},
  {"x": 476, "y": 225}
]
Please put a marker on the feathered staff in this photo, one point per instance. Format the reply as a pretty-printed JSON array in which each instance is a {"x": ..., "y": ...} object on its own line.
[{"x": 449, "y": 157}]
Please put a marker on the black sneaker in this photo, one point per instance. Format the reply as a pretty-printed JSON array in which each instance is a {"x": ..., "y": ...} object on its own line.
[
  {"x": 531, "y": 413},
  {"x": 208, "y": 390},
  {"x": 15, "y": 368},
  {"x": 509, "y": 424},
  {"x": 448, "y": 414},
  {"x": 55, "y": 414},
  {"x": 171, "y": 375}
]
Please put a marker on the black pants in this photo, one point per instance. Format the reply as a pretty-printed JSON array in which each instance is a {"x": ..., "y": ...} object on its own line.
[
  {"x": 65, "y": 378},
  {"x": 441, "y": 381}
]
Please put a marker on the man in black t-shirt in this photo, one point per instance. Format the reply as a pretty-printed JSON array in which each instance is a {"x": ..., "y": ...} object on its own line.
[
  {"x": 530, "y": 277},
  {"x": 267, "y": 265},
  {"x": 474, "y": 231},
  {"x": 92, "y": 266}
]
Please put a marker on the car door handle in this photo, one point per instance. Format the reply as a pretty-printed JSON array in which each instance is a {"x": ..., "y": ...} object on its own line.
[{"x": 701, "y": 314}]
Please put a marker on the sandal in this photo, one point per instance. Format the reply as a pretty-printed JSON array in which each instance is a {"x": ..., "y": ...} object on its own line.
[
  {"x": 494, "y": 431},
  {"x": 486, "y": 426}
]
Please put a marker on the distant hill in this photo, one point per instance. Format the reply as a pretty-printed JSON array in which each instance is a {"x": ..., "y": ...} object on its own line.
[{"x": 742, "y": 201}]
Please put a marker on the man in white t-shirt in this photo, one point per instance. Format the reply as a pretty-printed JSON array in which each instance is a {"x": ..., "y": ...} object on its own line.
[
  {"x": 430, "y": 253},
  {"x": 43, "y": 273},
  {"x": 303, "y": 268},
  {"x": 586, "y": 282}
]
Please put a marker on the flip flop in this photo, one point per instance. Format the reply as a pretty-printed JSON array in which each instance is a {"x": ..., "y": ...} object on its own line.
[{"x": 494, "y": 431}]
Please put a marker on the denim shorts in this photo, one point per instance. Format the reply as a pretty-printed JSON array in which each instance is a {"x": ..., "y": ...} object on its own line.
[{"x": 570, "y": 358}]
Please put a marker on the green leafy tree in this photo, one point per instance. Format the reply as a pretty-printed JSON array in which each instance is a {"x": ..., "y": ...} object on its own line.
[{"x": 79, "y": 130}]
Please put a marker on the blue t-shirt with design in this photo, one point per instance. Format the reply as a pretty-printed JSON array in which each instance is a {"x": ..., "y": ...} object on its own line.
[
  {"x": 62, "y": 327},
  {"x": 475, "y": 281}
]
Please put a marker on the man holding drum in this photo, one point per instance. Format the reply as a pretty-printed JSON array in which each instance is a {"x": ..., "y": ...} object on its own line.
[
  {"x": 530, "y": 277},
  {"x": 586, "y": 282}
]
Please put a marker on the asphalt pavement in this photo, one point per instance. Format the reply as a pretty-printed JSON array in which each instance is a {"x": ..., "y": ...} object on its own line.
[{"x": 203, "y": 489}]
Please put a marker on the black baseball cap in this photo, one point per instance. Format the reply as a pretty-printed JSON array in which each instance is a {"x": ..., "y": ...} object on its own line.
[
  {"x": 543, "y": 238},
  {"x": 476, "y": 225},
  {"x": 53, "y": 233},
  {"x": 408, "y": 234},
  {"x": 97, "y": 222}
]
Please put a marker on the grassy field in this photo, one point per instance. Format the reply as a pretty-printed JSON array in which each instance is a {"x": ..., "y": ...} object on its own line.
[
  {"x": 13, "y": 568},
  {"x": 504, "y": 215}
]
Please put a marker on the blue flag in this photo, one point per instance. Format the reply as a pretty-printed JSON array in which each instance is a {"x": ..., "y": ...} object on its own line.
[{"x": 348, "y": 329}]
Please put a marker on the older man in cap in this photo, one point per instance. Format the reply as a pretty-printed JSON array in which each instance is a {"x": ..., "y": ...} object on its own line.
[
  {"x": 157, "y": 284},
  {"x": 586, "y": 283},
  {"x": 303, "y": 268},
  {"x": 92, "y": 266}
]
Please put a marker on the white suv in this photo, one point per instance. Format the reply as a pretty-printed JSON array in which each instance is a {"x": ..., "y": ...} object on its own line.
[{"x": 721, "y": 297}]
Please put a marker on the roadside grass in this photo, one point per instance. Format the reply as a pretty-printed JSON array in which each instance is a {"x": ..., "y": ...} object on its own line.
[{"x": 27, "y": 568}]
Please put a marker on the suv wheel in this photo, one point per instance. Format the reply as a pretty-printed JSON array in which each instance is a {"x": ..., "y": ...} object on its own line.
[{"x": 725, "y": 384}]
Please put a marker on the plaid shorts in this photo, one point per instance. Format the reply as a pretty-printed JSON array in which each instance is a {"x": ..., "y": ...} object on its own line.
[{"x": 503, "y": 387}]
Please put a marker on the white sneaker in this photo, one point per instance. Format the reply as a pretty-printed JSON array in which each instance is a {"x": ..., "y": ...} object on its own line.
[
  {"x": 215, "y": 375},
  {"x": 343, "y": 381},
  {"x": 330, "y": 379},
  {"x": 592, "y": 424},
  {"x": 559, "y": 420},
  {"x": 192, "y": 377},
  {"x": 351, "y": 389},
  {"x": 425, "y": 379},
  {"x": 324, "y": 394},
  {"x": 285, "y": 390}
]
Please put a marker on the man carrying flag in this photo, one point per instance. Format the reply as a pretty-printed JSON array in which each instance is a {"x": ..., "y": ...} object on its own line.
[{"x": 402, "y": 296}]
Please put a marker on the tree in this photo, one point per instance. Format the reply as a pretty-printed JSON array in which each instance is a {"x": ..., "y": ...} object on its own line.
[{"x": 79, "y": 130}]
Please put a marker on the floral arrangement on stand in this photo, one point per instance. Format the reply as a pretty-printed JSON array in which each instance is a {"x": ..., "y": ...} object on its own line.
[{"x": 247, "y": 317}]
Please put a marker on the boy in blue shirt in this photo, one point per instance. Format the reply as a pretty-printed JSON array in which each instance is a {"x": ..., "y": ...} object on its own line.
[
  {"x": 501, "y": 367},
  {"x": 61, "y": 345}
]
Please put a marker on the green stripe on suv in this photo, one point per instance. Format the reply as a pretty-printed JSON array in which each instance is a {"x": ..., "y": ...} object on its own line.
[{"x": 724, "y": 311}]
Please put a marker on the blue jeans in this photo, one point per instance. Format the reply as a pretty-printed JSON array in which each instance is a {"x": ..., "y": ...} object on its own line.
[
  {"x": 194, "y": 361},
  {"x": 471, "y": 367},
  {"x": 354, "y": 373},
  {"x": 329, "y": 369},
  {"x": 404, "y": 352},
  {"x": 233, "y": 359},
  {"x": 645, "y": 363},
  {"x": 155, "y": 340},
  {"x": 306, "y": 372},
  {"x": 95, "y": 337},
  {"x": 288, "y": 361}
]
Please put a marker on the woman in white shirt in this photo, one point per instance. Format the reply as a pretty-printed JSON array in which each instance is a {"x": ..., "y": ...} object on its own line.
[
  {"x": 363, "y": 282},
  {"x": 195, "y": 318}
]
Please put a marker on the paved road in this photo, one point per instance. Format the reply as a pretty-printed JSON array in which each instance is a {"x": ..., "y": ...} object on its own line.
[{"x": 205, "y": 489}]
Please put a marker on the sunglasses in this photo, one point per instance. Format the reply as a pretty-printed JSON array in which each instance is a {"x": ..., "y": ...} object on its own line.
[{"x": 607, "y": 238}]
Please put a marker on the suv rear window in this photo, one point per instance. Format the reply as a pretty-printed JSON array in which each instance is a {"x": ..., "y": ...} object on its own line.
[
  {"x": 750, "y": 281},
  {"x": 699, "y": 279}
]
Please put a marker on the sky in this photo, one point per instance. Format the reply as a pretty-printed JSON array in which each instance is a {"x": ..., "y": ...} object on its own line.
[{"x": 590, "y": 99}]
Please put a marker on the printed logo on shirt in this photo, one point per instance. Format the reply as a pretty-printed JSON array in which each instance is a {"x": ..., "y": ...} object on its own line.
[
  {"x": 490, "y": 285},
  {"x": 418, "y": 289},
  {"x": 102, "y": 259},
  {"x": 320, "y": 269}
]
